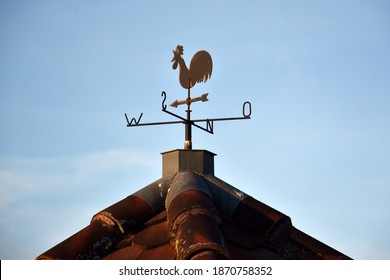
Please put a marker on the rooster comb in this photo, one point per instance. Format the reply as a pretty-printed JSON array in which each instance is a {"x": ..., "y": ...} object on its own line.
[{"x": 179, "y": 49}]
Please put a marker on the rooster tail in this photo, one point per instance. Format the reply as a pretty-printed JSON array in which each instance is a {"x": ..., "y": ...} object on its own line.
[{"x": 201, "y": 67}]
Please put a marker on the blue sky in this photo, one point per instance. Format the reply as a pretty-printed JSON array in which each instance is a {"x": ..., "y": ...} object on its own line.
[{"x": 317, "y": 146}]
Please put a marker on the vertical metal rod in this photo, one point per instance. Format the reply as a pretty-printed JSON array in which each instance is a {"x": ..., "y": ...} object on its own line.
[{"x": 188, "y": 136}]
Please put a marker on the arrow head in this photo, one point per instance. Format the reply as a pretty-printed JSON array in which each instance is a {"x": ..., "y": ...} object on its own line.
[{"x": 174, "y": 103}]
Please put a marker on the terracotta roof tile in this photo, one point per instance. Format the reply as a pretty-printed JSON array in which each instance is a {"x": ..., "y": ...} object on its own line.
[
  {"x": 127, "y": 214},
  {"x": 262, "y": 253},
  {"x": 239, "y": 253},
  {"x": 165, "y": 252},
  {"x": 187, "y": 215},
  {"x": 127, "y": 241},
  {"x": 199, "y": 233},
  {"x": 126, "y": 253},
  {"x": 158, "y": 218},
  {"x": 259, "y": 216},
  {"x": 315, "y": 248},
  {"x": 91, "y": 242},
  {"x": 152, "y": 236},
  {"x": 193, "y": 219},
  {"x": 208, "y": 255},
  {"x": 188, "y": 203},
  {"x": 245, "y": 238}
]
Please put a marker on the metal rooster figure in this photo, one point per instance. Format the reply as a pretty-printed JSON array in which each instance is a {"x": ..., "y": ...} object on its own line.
[{"x": 200, "y": 70}]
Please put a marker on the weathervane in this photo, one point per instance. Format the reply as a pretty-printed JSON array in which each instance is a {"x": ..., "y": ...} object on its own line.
[{"x": 200, "y": 70}]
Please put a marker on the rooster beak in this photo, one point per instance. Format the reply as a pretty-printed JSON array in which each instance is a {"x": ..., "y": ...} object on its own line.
[
  {"x": 173, "y": 56},
  {"x": 174, "y": 60}
]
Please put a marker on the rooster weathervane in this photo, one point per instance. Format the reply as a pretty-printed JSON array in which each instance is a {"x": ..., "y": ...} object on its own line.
[{"x": 200, "y": 70}]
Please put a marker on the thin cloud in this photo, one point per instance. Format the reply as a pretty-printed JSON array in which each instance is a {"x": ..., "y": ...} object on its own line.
[
  {"x": 39, "y": 195},
  {"x": 19, "y": 176}
]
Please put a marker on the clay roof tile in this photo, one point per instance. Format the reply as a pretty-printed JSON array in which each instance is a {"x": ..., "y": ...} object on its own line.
[
  {"x": 190, "y": 214},
  {"x": 152, "y": 236}
]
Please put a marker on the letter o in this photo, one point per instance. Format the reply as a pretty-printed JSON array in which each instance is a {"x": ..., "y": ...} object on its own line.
[{"x": 247, "y": 106}]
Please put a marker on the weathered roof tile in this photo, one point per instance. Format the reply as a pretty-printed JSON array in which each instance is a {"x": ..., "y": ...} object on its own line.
[
  {"x": 259, "y": 216},
  {"x": 152, "y": 236},
  {"x": 199, "y": 233},
  {"x": 158, "y": 218},
  {"x": 126, "y": 253},
  {"x": 262, "y": 253},
  {"x": 91, "y": 242},
  {"x": 127, "y": 214},
  {"x": 190, "y": 215},
  {"x": 244, "y": 237},
  {"x": 165, "y": 252}
]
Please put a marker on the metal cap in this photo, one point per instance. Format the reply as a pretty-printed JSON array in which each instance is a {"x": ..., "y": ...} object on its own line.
[{"x": 197, "y": 161}]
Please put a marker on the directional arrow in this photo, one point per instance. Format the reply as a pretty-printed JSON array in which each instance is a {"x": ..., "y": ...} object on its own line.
[
  {"x": 177, "y": 103},
  {"x": 202, "y": 98}
]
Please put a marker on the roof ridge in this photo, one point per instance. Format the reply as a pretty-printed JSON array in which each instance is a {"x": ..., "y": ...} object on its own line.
[{"x": 197, "y": 207}]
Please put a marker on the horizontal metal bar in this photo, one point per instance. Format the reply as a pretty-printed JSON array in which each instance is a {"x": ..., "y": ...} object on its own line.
[
  {"x": 202, "y": 128},
  {"x": 155, "y": 123},
  {"x": 183, "y": 121},
  {"x": 179, "y": 117},
  {"x": 221, "y": 119},
  {"x": 192, "y": 121}
]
